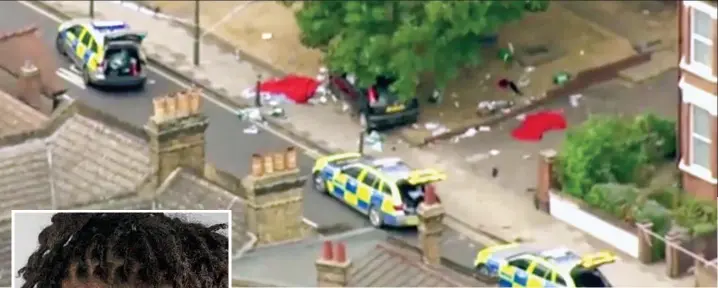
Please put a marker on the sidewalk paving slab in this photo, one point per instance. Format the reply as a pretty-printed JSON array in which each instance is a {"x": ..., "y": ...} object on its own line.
[{"x": 479, "y": 203}]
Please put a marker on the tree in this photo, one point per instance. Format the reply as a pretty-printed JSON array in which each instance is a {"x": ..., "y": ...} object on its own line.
[{"x": 404, "y": 39}]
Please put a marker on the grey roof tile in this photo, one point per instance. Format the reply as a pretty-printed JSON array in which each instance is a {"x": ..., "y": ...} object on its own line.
[
  {"x": 16, "y": 116},
  {"x": 5, "y": 253},
  {"x": 24, "y": 178},
  {"x": 185, "y": 191}
]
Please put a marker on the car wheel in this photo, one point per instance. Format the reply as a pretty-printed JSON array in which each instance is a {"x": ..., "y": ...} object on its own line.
[
  {"x": 482, "y": 273},
  {"x": 375, "y": 217},
  {"x": 319, "y": 183},
  {"x": 60, "y": 45}
]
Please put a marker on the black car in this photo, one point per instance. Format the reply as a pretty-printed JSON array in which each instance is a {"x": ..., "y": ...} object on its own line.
[{"x": 376, "y": 106}]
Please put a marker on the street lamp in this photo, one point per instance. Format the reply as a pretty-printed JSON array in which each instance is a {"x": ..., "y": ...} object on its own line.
[
  {"x": 197, "y": 33},
  {"x": 92, "y": 9},
  {"x": 257, "y": 93}
]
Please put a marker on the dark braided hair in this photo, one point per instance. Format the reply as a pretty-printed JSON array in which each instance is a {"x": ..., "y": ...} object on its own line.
[{"x": 140, "y": 249}]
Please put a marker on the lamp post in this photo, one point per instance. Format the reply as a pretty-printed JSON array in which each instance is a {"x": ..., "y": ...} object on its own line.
[
  {"x": 92, "y": 9},
  {"x": 257, "y": 93},
  {"x": 197, "y": 33}
]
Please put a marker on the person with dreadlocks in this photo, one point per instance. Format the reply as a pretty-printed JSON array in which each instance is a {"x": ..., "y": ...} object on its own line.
[{"x": 127, "y": 250}]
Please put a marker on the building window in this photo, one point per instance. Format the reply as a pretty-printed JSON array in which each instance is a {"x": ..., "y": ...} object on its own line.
[
  {"x": 701, "y": 39},
  {"x": 700, "y": 138}
]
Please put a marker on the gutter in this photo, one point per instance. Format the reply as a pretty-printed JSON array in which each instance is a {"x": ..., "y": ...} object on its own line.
[{"x": 679, "y": 104}]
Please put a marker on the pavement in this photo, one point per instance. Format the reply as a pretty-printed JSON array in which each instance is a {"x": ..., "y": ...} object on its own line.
[
  {"x": 227, "y": 146},
  {"x": 479, "y": 208}
]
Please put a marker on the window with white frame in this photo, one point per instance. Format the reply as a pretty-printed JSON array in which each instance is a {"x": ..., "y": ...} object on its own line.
[
  {"x": 701, "y": 39},
  {"x": 700, "y": 138}
]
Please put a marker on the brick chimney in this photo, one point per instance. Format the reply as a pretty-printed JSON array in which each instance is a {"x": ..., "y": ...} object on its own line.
[
  {"x": 431, "y": 215},
  {"x": 274, "y": 197},
  {"x": 30, "y": 87},
  {"x": 176, "y": 131},
  {"x": 333, "y": 266}
]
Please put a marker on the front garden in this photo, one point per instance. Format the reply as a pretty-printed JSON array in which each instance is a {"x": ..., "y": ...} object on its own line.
[{"x": 626, "y": 168}]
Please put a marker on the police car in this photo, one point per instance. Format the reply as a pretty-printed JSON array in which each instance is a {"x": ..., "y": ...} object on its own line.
[
  {"x": 107, "y": 53},
  {"x": 523, "y": 265},
  {"x": 387, "y": 190}
]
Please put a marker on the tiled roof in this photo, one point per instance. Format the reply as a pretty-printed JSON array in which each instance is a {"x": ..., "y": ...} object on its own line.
[
  {"x": 5, "y": 253},
  {"x": 16, "y": 116},
  {"x": 388, "y": 265},
  {"x": 185, "y": 191},
  {"x": 25, "y": 45},
  {"x": 81, "y": 162}
]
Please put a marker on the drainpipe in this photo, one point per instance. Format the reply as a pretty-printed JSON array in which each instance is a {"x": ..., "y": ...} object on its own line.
[{"x": 679, "y": 130}]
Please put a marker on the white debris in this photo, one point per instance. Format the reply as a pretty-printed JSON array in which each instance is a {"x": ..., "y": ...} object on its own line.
[
  {"x": 527, "y": 156},
  {"x": 323, "y": 100},
  {"x": 521, "y": 117},
  {"x": 484, "y": 129},
  {"x": 351, "y": 78},
  {"x": 524, "y": 81},
  {"x": 471, "y": 132},
  {"x": 573, "y": 99},
  {"x": 456, "y": 104},
  {"x": 323, "y": 70},
  {"x": 581, "y": 53},
  {"x": 488, "y": 76},
  {"x": 511, "y": 48},
  {"x": 476, "y": 158},
  {"x": 250, "y": 114},
  {"x": 431, "y": 125},
  {"x": 454, "y": 95},
  {"x": 345, "y": 107},
  {"x": 494, "y": 152},
  {"x": 506, "y": 110},
  {"x": 278, "y": 112},
  {"x": 529, "y": 69},
  {"x": 251, "y": 129},
  {"x": 439, "y": 131},
  {"x": 266, "y": 36},
  {"x": 415, "y": 126},
  {"x": 455, "y": 140},
  {"x": 273, "y": 103},
  {"x": 375, "y": 141}
]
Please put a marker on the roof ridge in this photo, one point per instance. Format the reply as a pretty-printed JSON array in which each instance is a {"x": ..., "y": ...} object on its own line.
[
  {"x": 387, "y": 247},
  {"x": 17, "y": 33}
]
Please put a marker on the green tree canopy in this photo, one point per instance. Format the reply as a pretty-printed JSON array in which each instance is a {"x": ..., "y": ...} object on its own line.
[{"x": 404, "y": 38}]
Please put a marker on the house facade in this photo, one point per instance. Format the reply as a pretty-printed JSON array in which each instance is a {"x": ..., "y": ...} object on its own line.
[{"x": 699, "y": 103}]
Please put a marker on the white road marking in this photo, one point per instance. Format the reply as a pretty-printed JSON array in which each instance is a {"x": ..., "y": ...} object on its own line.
[
  {"x": 229, "y": 15},
  {"x": 313, "y": 153},
  {"x": 73, "y": 78}
]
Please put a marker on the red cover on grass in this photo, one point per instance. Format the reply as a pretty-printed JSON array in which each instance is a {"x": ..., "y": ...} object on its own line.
[
  {"x": 296, "y": 88},
  {"x": 535, "y": 125}
]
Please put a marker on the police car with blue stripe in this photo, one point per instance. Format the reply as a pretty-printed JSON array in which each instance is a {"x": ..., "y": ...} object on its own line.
[
  {"x": 108, "y": 53},
  {"x": 526, "y": 265}
]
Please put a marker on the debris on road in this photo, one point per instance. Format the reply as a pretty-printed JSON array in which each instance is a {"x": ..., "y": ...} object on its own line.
[
  {"x": 573, "y": 99},
  {"x": 486, "y": 108},
  {"x": 436, "y": 128},
  {"x": 345, "y": 107},
  {"x": 375, "y": 141},
  {"x": 521, "y": 117},
  {"x": 266, "y": 36},
  {"x": 526, "y": 156},
  {"x": 484, "y": 129},
  {"x": 436, "y": 97},
  {"x": 471, "y": 132},
  {"x": 278, "y": 112},
  {"x": 529, "y": 69},
  {"x": 250, "y": 114},
  {"x": 253, "y": 129},
  {"x": 494, "y": 152},
  {"x": 476, "y": 158}
]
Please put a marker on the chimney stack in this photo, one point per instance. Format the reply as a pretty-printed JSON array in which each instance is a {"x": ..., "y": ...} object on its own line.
[
  {"x": 274, "y": 197},
  {"x": 431, "y": 215},
  {"x": 30, "y": 86},
  {"x": 333, "y": 266},
  {"x": 176, "y": 129}
]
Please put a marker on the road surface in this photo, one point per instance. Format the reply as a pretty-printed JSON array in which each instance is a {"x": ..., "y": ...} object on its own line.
[{"x": 227, "y": 146}]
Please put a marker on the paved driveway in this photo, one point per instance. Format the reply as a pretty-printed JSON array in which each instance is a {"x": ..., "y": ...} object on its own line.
[{"x": 517, "y": 161}]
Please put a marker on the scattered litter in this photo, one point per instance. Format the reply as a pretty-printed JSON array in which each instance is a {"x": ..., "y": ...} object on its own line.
[
  {"x": 527, "y": 156},
  {"x": 456, "y": 104},
  {"x": 511, "y": 48},
  {"x": 506, "y": 110},
  {"x": 646, "y": 12},
  {"x": 484, "y": 129},
  {"x": 488, "y": 107},
  {"x": 375, "y": 141},
  {"x": 521, "y": 117},
  {"x": 151, "y": 81},
  {"x": 323, "y": 70},
  {"x": 415, "y": 126},
  {"x": 573, "y": 99},
  {"x": 323, "y": 100},
  {"x": 266, "y": 36},
  {"x": 431, "y": 125},
  {"x": 250, "y": 114},
  {"x": 345, "y": 107},
  {"x": 524, "y": 81},
  {"x": 273, "y": 103},
  {"x": 454, "y": 95},
  {"x": 351, "y": 78},
  {"x": 471, "y": 132},
  {"x": 494, "y": 152},
  {"x": 487, "y": 77},
  {"x": 455, "y": 140},
  {"x": 277, "y": 112},
  {"x": 529, "y": 69},
  {"x": 439, "y": 131},
  {"x": 436, "y": 97},
  {"x": 253, "y": 129},
  {"x": 476, "y": 158},
  {"x": 581, "y": 53}
]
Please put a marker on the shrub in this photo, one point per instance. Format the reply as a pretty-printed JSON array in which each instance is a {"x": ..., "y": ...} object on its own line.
[
  {"x": 660, "y": 136},
  {"x": 668, "y": 197},
  {"x": 652, "y": 211},
  {"x": 696, "y": 215},
  {"x": 616, "y": 199}
]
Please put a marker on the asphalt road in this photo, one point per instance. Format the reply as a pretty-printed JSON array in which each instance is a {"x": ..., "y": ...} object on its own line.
[{"x": 227, "y": 145}]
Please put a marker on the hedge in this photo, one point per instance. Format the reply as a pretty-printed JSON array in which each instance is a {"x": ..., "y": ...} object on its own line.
[
  {"x": 616, "y": 199},
  {"x": 652, "y": 211}
]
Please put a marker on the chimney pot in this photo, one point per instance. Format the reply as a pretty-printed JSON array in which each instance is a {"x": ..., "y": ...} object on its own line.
[
  {"x": 160, "y": 108},
  {"x": 183, "y": 108},
  {"x": 171, "y": 102},
  {"x": 430, "y": 197},
  {"x": 257, "y": 168},
  {"x": 195, "y": 101},
  {"x": 291, "y": 158},
  {"x": 279, "y": 163},
  {"x": 341, "y": 255},
  {"x": 327, "y": 251},
  {"x": 268, "y": 164}
]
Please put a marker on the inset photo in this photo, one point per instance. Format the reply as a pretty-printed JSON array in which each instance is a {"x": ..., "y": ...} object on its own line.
[{"x": 170, "y": 248}]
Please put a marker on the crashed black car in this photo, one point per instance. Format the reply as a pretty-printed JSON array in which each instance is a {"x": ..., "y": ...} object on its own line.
[{"x": 376, "y": 107}]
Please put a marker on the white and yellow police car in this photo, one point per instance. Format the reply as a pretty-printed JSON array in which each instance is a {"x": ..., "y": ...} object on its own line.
[{"x": 107, "y": 53}]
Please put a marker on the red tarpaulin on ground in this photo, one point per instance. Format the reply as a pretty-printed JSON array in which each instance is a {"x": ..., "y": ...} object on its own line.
[
  {"x": 296, "y": 88},
  {"x": 535, "y": 125}
]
